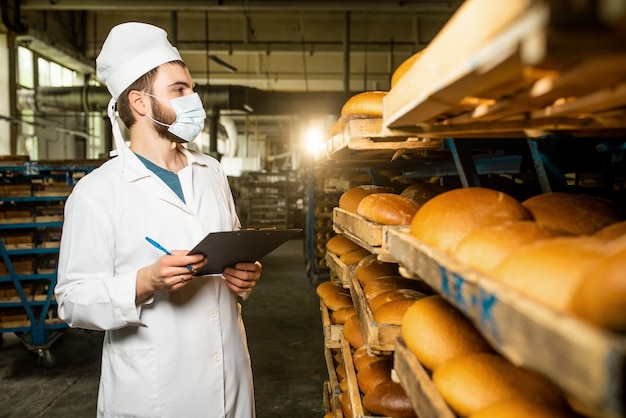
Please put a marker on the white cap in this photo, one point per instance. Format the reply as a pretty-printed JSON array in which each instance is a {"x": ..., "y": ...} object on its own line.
[{"x": 130, "y": 51}]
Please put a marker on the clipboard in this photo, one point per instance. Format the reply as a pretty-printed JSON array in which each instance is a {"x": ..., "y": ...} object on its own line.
[{"x": 224, "y": 249}]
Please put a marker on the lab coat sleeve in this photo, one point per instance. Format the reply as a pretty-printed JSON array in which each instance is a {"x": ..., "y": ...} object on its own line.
[{"x": 89, "y": 293}]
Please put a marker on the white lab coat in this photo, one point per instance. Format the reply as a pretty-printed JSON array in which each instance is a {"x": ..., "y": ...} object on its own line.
[{"x": 180, "y": 354}]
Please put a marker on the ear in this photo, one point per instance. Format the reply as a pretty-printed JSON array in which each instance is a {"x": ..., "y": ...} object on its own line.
[{"x": 137, "y": 101}]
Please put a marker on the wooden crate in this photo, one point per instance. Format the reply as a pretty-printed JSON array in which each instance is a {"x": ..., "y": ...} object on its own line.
[
  {"x": 332, "y": 332},
  {"x": 356, "y": 404},
  {"x": 334, "y": 393},
  {"x": 587, "y": 363},
  {"x": 380, "y": 338},
  {"x": 367, "y": 234},
  {"x": 341, "y": 270},
  {"x": 418, "y": 385}
]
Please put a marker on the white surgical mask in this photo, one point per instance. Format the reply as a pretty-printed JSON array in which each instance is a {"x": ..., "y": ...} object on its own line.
[{"x": 190, "y": 115}]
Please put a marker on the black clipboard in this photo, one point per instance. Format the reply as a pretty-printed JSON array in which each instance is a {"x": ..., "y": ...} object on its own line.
[{"x": 224, "y": 249}]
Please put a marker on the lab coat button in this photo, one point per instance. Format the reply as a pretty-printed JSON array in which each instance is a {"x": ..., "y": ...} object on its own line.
[
  {"x": 213, "y": 314},
  {"x": 217, "y": 358}
]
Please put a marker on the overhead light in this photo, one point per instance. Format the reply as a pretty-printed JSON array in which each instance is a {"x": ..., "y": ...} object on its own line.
[{"x": 222, "y": 63}]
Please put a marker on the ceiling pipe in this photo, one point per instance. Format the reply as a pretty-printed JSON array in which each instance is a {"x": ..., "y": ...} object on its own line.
[{"x": 224, "y": 97}]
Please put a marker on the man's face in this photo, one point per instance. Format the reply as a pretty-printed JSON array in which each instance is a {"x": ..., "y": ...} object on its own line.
[{"x": 171, "y": 81}]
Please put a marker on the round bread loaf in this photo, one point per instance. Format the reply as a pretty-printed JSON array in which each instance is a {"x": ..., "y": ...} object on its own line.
[
  {"x": 601, "y": 296},
  {"x": 346, "y": 406},
  {"x": 374, "y": 374},
  {"x": 475, "y": 381},
  {"x": 404, "y": 67},
  {"x": 341, "y": 371},
  {"x": 390, "y": 400},
  {"x": 370, "y": 268},
  {"x": 325, "y": 288},
  {"x": 383, "y": 284},
  {"x": 523, "y": 408},
  {"x": 354, "y": 256},
  {"x": 485, "y": 248},
  {"x": 435, "y": 331},
  {"x": 549, "y": 271},
  {"x": 422, "y": 192},
  {"x": 350, "y": 199},
  {"x": 443, "y": 221},
  {"x": 362, "y": 357},
  {"x": 392, "y": 312},
  {"x": 353, "y": 332},
  {"x": 393, "y": 295},
  {"x": 333, "y": 295},
  {"x": 368, "y": 104},
  {"x": 341, "y": 315},
  {"x": 340, "y": 245},
  {"x": 573, "y": 213},
  {"x": 612, "y": 231},
  {"x": 387, "y": 209}
]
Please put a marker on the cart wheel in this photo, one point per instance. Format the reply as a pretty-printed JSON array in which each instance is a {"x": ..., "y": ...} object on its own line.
[{"x": 46, "y": 358}]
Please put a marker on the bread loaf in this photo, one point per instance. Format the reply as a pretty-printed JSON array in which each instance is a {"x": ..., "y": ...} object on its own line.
[
  {"x": 392, "y": 312},
  {"x": 387, "y": 209},
  {"x": 612, "y": 231},
  {"x": 485, "y": 248},
  {"x": 475, "y": 381},
  {"x": 390, "y": 400},
  {"x": 435, "y": 331},
  {"x": 572, "y": 213},
  {"x": 374, "y": 374},
  {"x": 523, "y": 408},
  {"x": 443, "y": 221},
  {"x": 333, "y": 295},
  {"x": 341, "y": 315},
  {"x": 393, "y": 295},
  {"x": 375, "y": 287},
  {"x": 601, "y": 295},
  {"x": 340, "y": 245},
  {"x": 549, "y": 271},
  {"x": 404, "y": 67},
  {"x": 362, "y": 357},
  {"x": 353, "y": 332},
  {"x": 368, "y": 104},
  {"x": 422, "y": 192},
  {"x": 350, "y": 199},
  {"x": 370, "y": 268},
  {"x": 354, "y": 256}
]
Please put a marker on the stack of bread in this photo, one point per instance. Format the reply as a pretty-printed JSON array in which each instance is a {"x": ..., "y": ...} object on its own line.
[
  {"x": 348, "y": 251},
  {"x": 549, "y": 247},
  {"x": 468, "y": 374}
]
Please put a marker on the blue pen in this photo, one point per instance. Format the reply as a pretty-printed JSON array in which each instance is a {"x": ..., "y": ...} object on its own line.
[{"x": 160, "y": 247}]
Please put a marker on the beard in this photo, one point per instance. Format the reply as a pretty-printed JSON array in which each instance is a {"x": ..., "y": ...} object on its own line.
[{"x": 164, "y": 115}]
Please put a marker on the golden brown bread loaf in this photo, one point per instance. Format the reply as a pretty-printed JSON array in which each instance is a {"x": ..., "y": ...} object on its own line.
[
  {"x": 601, "y": 295},
  {"x": 350, "y": 199},
  {"x": 353, "y": 332},
  {"x": 383, "y": 284},
  {"x": 387, "y": 209},
  {"x": 362, "y": 357},
  {"x": 340, "y": 245},
  {"x": 334, "y": 295},
  {"x": 354, "y": 256},
  {"x": 370, "y": 268},
  {"x": 549, "y": 271},
  {"x": 392, "y": 295},
  {"x": 390, "y": 400},
  {"x": 485, "y": 248},
  {"x": 341, "y": 315},
  {"x": 475, "y": 381},
  {"x": 443, "y": 221},
  {"x": 572, "y": 213},
  {"x": 325, "y": 288},
  {"x": 368, "y": 104},
  {"x": 435, "y": 331},
  {"x": 422, "y": 192},
  {"x": 374, "y": 374},
  {"x": 523, "y": 408},
  {"x": 612, "y": 232},
  {"x": 346, "y": 407},
  {"x": 392, "y": 312},
  {"x": 404, "y": 67}
]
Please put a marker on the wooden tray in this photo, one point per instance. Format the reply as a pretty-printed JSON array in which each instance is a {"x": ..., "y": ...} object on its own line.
[
  {"x": 334, "y": 393},
  {"x": 332, "y": 333},
  {"x": 586, "y": 362},
  {"x": 418, "y": 385},
  {"x": 380, "y": 338},
  {"x": 339, "y": 268}
]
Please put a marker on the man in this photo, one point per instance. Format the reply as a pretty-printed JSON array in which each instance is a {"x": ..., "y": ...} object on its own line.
[{"x": 175, "y": 344}]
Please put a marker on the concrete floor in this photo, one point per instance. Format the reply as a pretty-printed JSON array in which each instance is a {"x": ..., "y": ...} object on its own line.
[{"x": 284, "y": 335}]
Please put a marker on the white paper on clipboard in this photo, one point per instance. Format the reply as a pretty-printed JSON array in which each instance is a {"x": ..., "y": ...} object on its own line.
[{"x": 224, "y": 249}]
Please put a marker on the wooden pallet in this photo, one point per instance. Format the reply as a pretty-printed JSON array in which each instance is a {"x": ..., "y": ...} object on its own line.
[
  {"x": 587, "y": 363},
  {"x": 340, "y": 269},
  {"x": 333, "y": 391}
]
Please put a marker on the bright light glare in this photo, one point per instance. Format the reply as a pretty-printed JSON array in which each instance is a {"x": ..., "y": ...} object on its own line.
[{"x": 313, "y": 139}]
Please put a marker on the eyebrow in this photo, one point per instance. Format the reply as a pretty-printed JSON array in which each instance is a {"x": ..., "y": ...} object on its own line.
[{"x": 181, "y": 83}]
